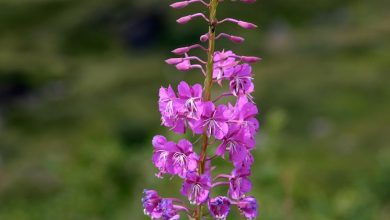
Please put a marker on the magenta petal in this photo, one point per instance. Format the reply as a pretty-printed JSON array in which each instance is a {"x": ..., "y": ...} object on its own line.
[
  {"x": 196, "y": 126},
  {"x": 192, "y": 162},
  {"x": 185, "y": 146},
  {"x": 202, "y": 196},
  {"x": 159, "y": 141},
  {"x": 197, "y": 90},
  {"x": 246, "y": 185},
  {"x": 208, "y": 109},
  {"x": 221, "y": 130},
  {"x": 179, "y": 127},
  {"x": 220, "y": 151},
  {"x": 184, "y": 90},
  {"x": 238, "y": 153}
]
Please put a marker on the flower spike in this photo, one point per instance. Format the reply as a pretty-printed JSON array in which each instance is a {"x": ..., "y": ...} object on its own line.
[{"x": 229, "y": 128}]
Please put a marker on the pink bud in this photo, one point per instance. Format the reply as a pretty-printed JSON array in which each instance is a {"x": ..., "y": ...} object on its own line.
[
  {"x": 246, "y": 25},
  {"x": 179, "y": 4},
  {"x": 173, "y": 61},
  {"x": 181, "y": 50},
  {"x": 236, "y": 39},
  {"x": 250, "y": 59},
  {"x": 184, "y": 20},
  {"x": 204, "y": 37},
  {"x": 183, "y": 66},
  {"x": 248, "y": 1}
]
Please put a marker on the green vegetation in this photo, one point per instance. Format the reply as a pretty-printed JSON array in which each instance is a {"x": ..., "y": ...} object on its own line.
[{"x": 78, "y": 94}]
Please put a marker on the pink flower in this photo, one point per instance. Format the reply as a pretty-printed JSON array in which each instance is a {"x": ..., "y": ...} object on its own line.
[
  {"x": 219, "y": 207},
  {"x": 172, "y": 158},
  {"x": 224, "y": 63},
  {"x": 241, "y": 80},
  {"x": 196, "y": 187},
  {"x": 232, "y": 128},
  {"x": 239, "y": 183},
  {"x": 215, "y": 120},
  {"x": 248, "y": 207}
]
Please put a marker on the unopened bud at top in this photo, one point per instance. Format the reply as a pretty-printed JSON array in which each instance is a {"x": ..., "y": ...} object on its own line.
[
  {"x": 236, "y": 39},
  {"x": 181, "y": 50},
  {"x": 184, "y": 20},
  {"x": 248, "y": 59},
  {"x": 173, "y": 61},
  {"x": 246, "y": 25},
  {"x": 180, "y": 4}
]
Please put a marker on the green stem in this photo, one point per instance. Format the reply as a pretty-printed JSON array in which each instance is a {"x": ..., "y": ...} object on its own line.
[{"x": 207, "y": 87}]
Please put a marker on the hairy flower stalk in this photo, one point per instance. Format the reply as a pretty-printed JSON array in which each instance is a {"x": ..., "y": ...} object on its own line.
[{"x": 232, "y": 127}]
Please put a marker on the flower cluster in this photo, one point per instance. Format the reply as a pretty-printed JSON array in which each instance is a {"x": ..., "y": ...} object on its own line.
[{"x": 229, "y": 128}]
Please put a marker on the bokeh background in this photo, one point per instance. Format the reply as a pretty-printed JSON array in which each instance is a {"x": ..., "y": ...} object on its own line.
[{"x": 78, "y": 105}]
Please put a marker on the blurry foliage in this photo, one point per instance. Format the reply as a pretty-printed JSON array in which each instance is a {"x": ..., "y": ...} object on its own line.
[{"x": 78, "y": 93}]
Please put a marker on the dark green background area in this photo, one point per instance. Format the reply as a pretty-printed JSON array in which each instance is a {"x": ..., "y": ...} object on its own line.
[{"x": 79, "y": 86}]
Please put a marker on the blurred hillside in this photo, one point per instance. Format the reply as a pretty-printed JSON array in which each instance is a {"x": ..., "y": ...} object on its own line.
[{"x": 78, "y": 105}]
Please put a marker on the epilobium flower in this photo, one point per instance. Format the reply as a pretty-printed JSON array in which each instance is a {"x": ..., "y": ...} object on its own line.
[
  {"x": 166, "y": 210},
  {"x": 239, "y": 183},
  {"x": 241, "y": 80},
  {"x": 219, "y": 207},
  {"x": 173, "y": 158},
  {"x": 196, "y": 187},
  {"x": 224, "y": 63},
  {"x": 248, "y": 207},
  {"x": 150, "y": 201},
  {"x": 228, "y": 127}
]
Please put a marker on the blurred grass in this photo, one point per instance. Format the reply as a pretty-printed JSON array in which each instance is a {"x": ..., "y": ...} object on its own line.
[{"x": 78, "y": 91}]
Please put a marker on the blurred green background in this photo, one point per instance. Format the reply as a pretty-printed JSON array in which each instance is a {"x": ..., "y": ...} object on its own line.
[{"x": 78, "y": 105}]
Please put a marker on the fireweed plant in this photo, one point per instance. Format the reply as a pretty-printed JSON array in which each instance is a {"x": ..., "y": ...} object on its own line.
[{"x": 230, "y": 127}]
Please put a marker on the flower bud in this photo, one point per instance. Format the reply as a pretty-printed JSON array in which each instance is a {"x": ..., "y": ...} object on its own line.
[
  {"x": 246, "y": 25},
  {"x": 183, "y": 66},
  {"x": 204, "y": 37},
  {"x": 250, "y": 59},
  {"x": 173, "y": 61},
  {"x": 178, "y": 5},
  {"x": 181, "y": 50},
  {"x": 184, "y": 20},
  {"x": 236, "y": 39}
]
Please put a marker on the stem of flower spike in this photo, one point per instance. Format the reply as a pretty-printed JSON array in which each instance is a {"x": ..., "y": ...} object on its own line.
[{"x": 207, "y": 87}]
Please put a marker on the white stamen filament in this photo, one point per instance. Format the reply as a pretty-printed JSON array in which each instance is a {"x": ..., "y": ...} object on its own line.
[
  {"x": 195, "y": 192},
  {"x": 180, "y": 158}
]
